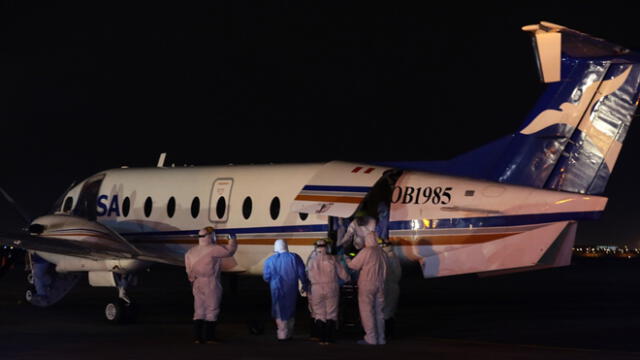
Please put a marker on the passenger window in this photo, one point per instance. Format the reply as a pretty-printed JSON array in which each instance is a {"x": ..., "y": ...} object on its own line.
[
  {"x": 148, "y": 206},
  {"x": 303, "y": 216},
  {"x": 171, "y": 207},
  {"x": 247, "y": 206},
  {"x": 274, "y": 209},
  {"x": 126, "y": 206},
  {"x": 195, "y": 207},
  {"x": 68, "y": 204},
  {"x": 221, "y": 207}
]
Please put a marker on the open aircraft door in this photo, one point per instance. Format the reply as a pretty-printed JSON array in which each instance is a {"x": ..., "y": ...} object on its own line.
[{"x": 338, "y": 189}]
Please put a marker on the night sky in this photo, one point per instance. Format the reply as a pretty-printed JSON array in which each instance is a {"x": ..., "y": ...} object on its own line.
[{"x": 87, "y": 87}]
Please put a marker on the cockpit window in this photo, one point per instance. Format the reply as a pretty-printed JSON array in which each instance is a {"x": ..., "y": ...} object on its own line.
[
  {"x": 68, "y": 204},
  {"x": 87, "y": 203}
]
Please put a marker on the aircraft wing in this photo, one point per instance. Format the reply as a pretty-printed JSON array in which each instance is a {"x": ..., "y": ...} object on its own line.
[
  {"x": 93, "y": 250},
  {"x": 337, "y": 188}
]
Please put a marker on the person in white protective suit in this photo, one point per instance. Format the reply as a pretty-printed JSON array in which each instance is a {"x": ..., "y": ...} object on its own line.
[
  {"x": 372, "y": 264},
  {"x": 358, "y": 229},
  {"x": 282, "y": 271},
  {"x": 324, "y": 273},
  {"x": 202, "y": 263},
  {"x": 391, "y": 288}
]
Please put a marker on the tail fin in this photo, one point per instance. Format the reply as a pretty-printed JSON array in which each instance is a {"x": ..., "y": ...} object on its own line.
[{"x": 571, "y": 139}]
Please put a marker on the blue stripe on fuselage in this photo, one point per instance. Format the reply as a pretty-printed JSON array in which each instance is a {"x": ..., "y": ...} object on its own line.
[
  {"x": 337, "y": 188},
  {"x": 494, "y": 221},
  {"x": 474, "y": 222}
]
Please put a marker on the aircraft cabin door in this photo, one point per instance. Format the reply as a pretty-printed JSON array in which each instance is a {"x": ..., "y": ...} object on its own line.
[{"x": 219, "y": 200}]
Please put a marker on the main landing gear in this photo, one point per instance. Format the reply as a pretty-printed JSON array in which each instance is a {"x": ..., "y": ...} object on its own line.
[{"x": 121, "y": 310}]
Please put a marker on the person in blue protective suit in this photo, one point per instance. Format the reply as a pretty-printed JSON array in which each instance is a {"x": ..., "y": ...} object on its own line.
[
  {"x": 325, "y": 273},
  {"x": 372, "y": 264},
  {"x": 282, "y": 271},
  {"x": 202, "y": 263}
]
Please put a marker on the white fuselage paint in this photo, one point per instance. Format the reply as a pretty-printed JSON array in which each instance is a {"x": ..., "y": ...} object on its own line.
[{"x": 415, "y": 230}]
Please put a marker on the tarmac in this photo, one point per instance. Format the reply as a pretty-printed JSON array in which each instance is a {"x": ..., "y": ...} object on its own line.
[{"x": 585, "y": 311}]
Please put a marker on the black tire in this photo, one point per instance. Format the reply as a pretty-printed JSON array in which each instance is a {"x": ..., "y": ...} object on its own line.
[
  {"x": 114, "y": 311},
  {"x": 120, "y": 312},
  {"x": 30, "y": 293}
]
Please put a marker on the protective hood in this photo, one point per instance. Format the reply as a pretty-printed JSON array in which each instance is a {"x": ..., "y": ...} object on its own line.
[
  {"x": 370, "y": 240},
  {"x": 208, "y": 238},
  {"x": 280, "y": 246}
]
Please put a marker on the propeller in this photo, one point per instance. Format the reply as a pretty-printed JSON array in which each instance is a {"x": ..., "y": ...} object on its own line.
[
  {"x": 19, "y": 209},
  {"x": 8, "y": 253}
]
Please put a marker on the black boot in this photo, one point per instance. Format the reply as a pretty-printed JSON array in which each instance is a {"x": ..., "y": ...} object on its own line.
[
  {"x": 209, "y": 333},
  {"x": 322, "y": 330},
  {"x": 330, "y": 330},
  {"x": 198, "y": 329},
  {"x": 315, "y": 330}
]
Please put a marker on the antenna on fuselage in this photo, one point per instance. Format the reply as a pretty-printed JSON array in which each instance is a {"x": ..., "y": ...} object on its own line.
[{"x": 161, "y": 159}]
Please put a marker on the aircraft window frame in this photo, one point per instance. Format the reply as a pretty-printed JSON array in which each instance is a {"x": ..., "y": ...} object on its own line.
[
  {"x": 303, "y": 216},
  {"x": 221, "y": 207},
  {"x": 195, "y": 207},
  {"x": 247, "y": 207},
  {"x": 274, "y": 208},
  {"x": 171, "y": 207},
  {"x": 126, "y": 206},
  {"x": 68, "y": 204},
  {"x": 148, "y": 206}
]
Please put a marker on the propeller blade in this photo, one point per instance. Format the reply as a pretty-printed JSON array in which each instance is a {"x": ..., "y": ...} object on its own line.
[{"x": 16, "y": 206}]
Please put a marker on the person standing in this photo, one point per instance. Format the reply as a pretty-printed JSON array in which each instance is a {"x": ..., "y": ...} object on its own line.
[
  {"x": 372, "y": 264},
  {"x": 358, "y": 229},
  {"x": 202, "y": 264},
  {"x": 391, "y": 288},
  {"x": 324, "y": 273},
  {"x": 282, "y": 271}
]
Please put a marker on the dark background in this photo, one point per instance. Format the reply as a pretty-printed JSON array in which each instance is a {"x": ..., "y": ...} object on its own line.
[{"x": 86, "y": 87}]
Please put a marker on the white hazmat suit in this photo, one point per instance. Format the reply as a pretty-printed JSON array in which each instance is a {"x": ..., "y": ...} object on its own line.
[
  {"x": 391, "y": 290},
  {"x": 324, "y": 273},
  {"x": 358, "y": 229},
  {"x": 202, "y": 263},
  {"x": 391, "y": 283},
  {"x": 372, "y": 264}
]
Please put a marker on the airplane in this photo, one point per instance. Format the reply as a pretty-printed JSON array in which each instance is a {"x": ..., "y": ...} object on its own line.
[{"x": 511, "y": 205}]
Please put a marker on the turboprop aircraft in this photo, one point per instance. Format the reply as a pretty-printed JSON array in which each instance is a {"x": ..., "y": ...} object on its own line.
[{"x": 511, "y": 205}]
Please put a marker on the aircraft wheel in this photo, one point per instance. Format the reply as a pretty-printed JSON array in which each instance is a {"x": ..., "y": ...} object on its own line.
[
  {"x": 29, "y": 294},
  {"x": 120, "y": 312},
  {"x": 30, "y": 279}
]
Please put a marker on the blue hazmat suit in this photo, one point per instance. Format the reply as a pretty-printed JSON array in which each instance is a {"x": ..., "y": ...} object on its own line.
[{"x": 282, "y": 271}]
